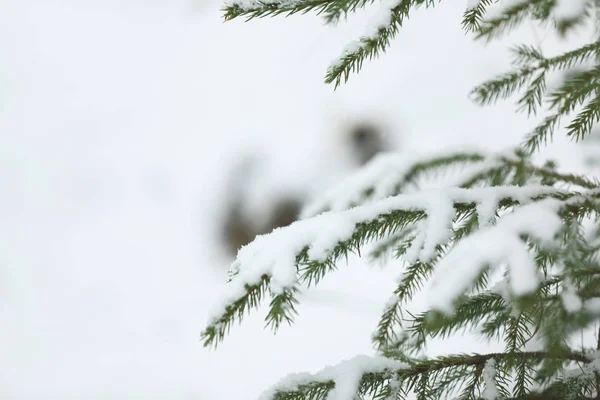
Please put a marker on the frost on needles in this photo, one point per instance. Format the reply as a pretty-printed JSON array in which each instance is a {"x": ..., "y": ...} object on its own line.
[{"x": 500, "y": 215}]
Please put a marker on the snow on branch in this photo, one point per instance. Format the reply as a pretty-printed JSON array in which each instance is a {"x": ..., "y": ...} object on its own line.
[
  {"x": 376, "y": 40},
  {"x": 332, "y": 10},
  {"x": 307, "y": 249},
  {"x": 380, "y": 377},
  {"x": 549, "y": 229},
  {"x": 340, "y": 382},
  {"x": 381, "y": 30},
  {"x": 392, "y": 14},
  {"x": 489, "y": 376},
  {"x": 474, "y": 14},
  {"x": 389, "y": 174},
  {"x": 496, "y": 245},
  {"x": 386, "y": 175}
]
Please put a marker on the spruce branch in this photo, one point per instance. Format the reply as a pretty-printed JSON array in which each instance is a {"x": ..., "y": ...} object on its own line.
[
  {"x": 494, "y": 170},
  {"x": 332, "y": 10},
  {"x": 540, "y": 135},
  {"x": 385, "y": 246},
  {"x": 473, "y": 311},
  {"x": 340, "y": 9},
  {"x": 418, "y": 376},
  {"x": 472, "y": 17},
  {"x": 311, "y": 270},
  {"x": 502, "y": 87},
  {"x": 524, "y": 55},
  {"x": 419, "y": 169},
  {"x": 523, "y": 378},
  {"x": 385, "y": 335},
  {"x": 398, "y": 175},
  {"x": 369, "y": 47},
  {"x": 509, "y": 19},
  {"x": 555, "y": 289},
  {"x": 260, "y": 9},
  {"x": 282, "y": 308},
  {"x": 570, "y": 59},
  {"x": 583, "y": 123},
  {"x": 565, "y": 99},
  {"x": 217, "y": 330},
  {"x": 412, "y": 280},
  {"x": 575, "y": 90},
  {"x": 532, "y": 99},
  {"x": 531, "y": 70},
  {"x": 531, "y": 61}
]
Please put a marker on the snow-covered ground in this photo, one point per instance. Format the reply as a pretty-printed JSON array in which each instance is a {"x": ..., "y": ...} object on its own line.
[{"x": 119, "y": 122}]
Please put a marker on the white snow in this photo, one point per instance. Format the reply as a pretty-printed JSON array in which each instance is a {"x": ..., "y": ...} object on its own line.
[
  {"x": 350, "y": 48},
  {"x": 502, "y": 288},
  {"x": 251, "y": 4},
  {"x": 501, "y": 243},
  {"x": 566, "y": 10},
  {"x": 594, "y": 365},
  {"x": 412, "y": 253},
  {"x": 440, "y": 215},
  {"x": 387, "y": 170},
  {"x": 380, "y": 21},
  {"x": 571, "y": 300},
  {"x": 490, "y": 392},
  {"x": 346, "y": 376},
  {"x": 274, "y": 254},
  {"x": 486, "y": 211},
  {"x": 383, "y": 17},
  {"x": 351, "y": 189}
]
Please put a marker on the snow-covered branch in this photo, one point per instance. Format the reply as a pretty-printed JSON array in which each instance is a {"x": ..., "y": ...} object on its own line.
[
  {"x": 307, "y": 249},
  {"x": 497, "y": 245},
  {"x": 386, "y": 175},
  {"x": 379, "y": 376},
  {"x": 500, "y": 214},
  {"x": 389, "y": 174},
  {"x": 341, "y": 381}
]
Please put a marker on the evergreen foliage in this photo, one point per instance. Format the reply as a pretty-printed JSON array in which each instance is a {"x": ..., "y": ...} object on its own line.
[{"x": 537, "y": 227}]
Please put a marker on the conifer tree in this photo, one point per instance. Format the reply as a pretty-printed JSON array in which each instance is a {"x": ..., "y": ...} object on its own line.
[{"x": 533, "y": 226}]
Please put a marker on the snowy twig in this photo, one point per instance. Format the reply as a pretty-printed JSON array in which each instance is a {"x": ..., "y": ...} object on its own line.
[
  {"x": 307, "y": 249},
  {"x": 374, "y": 376},
  {"x": 389, "y": 174}
]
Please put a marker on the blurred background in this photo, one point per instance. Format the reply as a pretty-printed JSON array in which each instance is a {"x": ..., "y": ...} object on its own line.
[{"x": 143, "y": 141}]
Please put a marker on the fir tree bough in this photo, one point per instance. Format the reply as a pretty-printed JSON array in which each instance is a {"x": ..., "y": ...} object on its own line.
[{"x": 510, "y": 247}]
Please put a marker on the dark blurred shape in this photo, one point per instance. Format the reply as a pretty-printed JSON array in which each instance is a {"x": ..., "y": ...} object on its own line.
[
  {"x": 364, "y": 140},
  {"x": 285, "y": 212},
  {"x": 239, "y": 229},
  {"x": 240, "y": 226}
]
